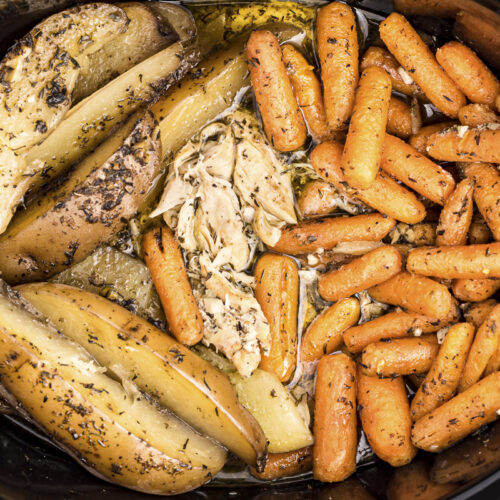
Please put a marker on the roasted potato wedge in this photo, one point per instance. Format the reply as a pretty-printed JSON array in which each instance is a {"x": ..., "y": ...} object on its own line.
[
  {"x": 146, "y": 34},
  {"x": 87, "y": 125},
  {"x": 109, "y": 427},
  {"x": 40, "y": 72},
  {"x": 176, "y": 377},
  {"x": 263, "y": 395},
  {"x": 105, "y": 190}
]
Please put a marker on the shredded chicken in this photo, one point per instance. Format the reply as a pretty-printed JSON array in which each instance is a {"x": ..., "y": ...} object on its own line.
[{"x": 225, "y": 194}]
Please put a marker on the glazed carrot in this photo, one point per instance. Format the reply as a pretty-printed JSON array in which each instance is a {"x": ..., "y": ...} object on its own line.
[
  {"x": 472, "y": 261},
  {"x": 477, "y": 313},
  {"x": 415, "y": 170},
  {"x": 378, "y": 56},
  {"x": 364, "y": 272},
  {"x": 285, "y": 464},
  {"x": 474, "y": 115},
  {"x": 469, "y": 73},
  {"x": 391, "y": 358},
  {"x": 277, "y": 291},
  {"x": 337, "y": 40},
  {"x": 480, "y": 33},
  {"x": 416, "y": 293},
  {"x": 384, "y": 412},
  {"x": 365, "y": 138},
  {"x": 412, "y": 482},
  {"x": 469, "y": 290},
  {"x": 399, "y": 118},
  {"x": 460, "y": 416},
  {"x": 394, "y": 325},
  {"x": 324, "y": 334},
  {"x": 317, "y": 198},
  {"x": 416, "y": 58},
  {"x": 419, "y": 140},
  {"x": 456, "y": 216},
  {"x": 385, "y": 195},
  {"x": 479, "y": 232},
  {"x": 164, "y": 260},
  {"x": 483, "y": 348},
  {"x": 497, "y": 103},
  {"x": 281, "y": 116},
  {"x": 486, "y": 193},
  {"x": 335, "y": 426},
  {"x": 474, "y": 144},
  {"x": 307, "y": 90},
  {"x": 326, "y": 233},
  {"x": 442, "y": 379}
]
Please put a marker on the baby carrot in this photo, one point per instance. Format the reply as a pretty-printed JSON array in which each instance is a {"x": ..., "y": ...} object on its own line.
[
  {"x": 365, "y": 138},
  {"x": 335, "y": 426},
  {"x": 441, "y": 381},
  {"x": 416, "y": 58},
  {"x": 164, "y": 260}
]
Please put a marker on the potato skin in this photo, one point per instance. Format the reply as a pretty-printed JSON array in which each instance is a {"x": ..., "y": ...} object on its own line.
[
  {"x": 63, "y": 407},
  {"x": 88, "y": 209},
  {"x": 175, "y": 376},
  {"x": 472, "y": 261},
  {"x": 277, "y": 291},
  {"x": 283, "y": 121},
  {"x": 326, "y": 233},
  {"x": 365, "y": 138},
  {"x": 338, "y": 49},
  {"x": 335, "y": 422},
  {"x": 441, "y": 381},
  {"x": 364, "y": 272},
  {"x": 384, "y": 412},
  {"x": 406, "y": 356},
  {"x": 460, "y": 416},
  {"x": 164, "y": 259},
  {"x": 417, "y": 59}
]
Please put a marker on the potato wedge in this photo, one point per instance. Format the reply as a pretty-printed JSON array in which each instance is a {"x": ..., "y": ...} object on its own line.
[
  {"x": 40, "y": 72},
  {"x": 104, "y": 191},
  {"x": 86, "y": 126},
  {"x": 146, "y": 34},
  {"x": 176, "y": 377},
  {"x": 263, "y": 395},
  {"x": 109, "y": 427}
]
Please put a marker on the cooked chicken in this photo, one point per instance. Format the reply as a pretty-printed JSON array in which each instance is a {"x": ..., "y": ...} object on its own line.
[{"x": 226, "y": 192}]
